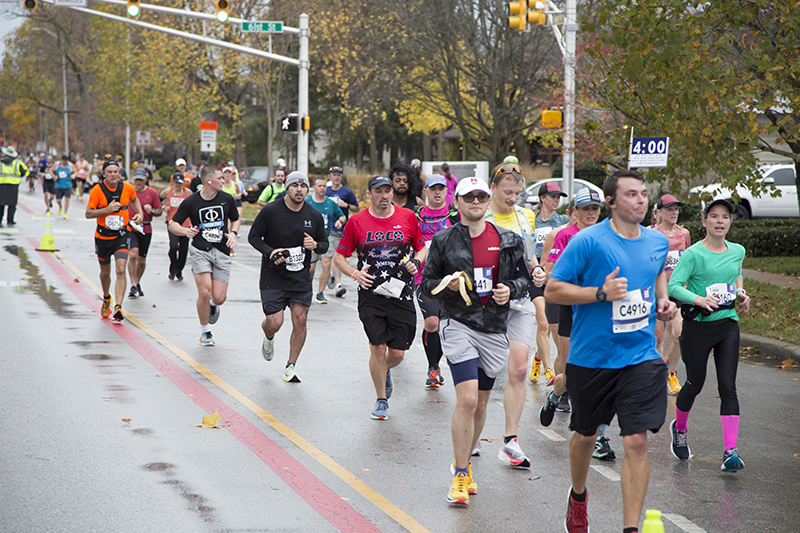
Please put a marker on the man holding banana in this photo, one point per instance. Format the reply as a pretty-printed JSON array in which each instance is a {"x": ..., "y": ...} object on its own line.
[{"x": 474, "y": 268}]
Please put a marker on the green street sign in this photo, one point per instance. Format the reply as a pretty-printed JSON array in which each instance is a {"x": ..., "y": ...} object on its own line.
[{"x": 262, "y": 27}]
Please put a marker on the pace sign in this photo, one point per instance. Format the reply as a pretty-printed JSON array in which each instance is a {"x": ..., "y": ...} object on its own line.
[{"x": 648, "y": 152}]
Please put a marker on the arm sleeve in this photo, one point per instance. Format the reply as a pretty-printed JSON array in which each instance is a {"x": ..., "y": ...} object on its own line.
[
  {"x": 256, "y": 234},
  {"x": 433, "y": 272},
  {"x": 681, "y": 274}
]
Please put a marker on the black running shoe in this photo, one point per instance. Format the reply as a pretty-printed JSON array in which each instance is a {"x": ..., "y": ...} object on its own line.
[{"x": 548, "y": 410}]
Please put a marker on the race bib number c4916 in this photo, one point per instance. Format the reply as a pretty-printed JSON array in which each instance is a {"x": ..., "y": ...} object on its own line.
[
  {"x": 483, "y": 281},
  {"x": 725, "y": 292},
  {"x": 632, "y": 312}
]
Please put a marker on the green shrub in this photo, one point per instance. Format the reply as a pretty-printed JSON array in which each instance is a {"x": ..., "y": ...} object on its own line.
[
  {"x": 769, "y": 237},
  {"x": 166, "y": 172}
]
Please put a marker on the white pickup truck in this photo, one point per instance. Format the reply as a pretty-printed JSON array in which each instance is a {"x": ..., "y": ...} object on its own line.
[{"x": 780, "y": 177}]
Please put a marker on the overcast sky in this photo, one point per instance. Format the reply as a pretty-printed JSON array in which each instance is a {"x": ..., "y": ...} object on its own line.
[{"x": 8, "y": 23}]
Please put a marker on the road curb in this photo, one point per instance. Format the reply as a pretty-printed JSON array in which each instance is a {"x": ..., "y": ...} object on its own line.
[{"x": 773, "y": 347}]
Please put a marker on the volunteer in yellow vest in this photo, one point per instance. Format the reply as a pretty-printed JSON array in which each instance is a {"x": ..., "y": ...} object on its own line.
[
  {"x": 12, "y": 170},
  {"x": 110, "y": 202}
]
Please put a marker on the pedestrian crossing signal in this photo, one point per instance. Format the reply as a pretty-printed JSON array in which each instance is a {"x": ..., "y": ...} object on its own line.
[{"x": 30, "y": 5}]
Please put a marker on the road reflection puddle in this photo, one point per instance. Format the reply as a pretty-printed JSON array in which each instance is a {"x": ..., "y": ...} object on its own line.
[{"x": 34, "y": 282}]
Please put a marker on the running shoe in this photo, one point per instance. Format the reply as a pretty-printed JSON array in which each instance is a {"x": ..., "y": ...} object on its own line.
[
  {"x": 536, "y": 370},
  {"x": 320, "y": 298},
  {"x": 602, "y": 450},
  {"x": 511, "y": 453},
  {"x": 472, "y": 487},
  {"x": 680, "y": 447},
  {"x": 548, "y": 410},
  {"x": 476, "y": 451},
  {"x": 118, "y": 316},
  {"x": 139, "y": 289},
  {"x": 179, "y": 277},
  {"x": 673, "y": 385},
  {"x": 549, "y": 376},
  {"x": 340, "y": 291},
  {"x": 433, "y": 379},
  {"x": 59, "y": 210},
  {"x": 289, "y": 375},
  {"x": 577, "y": 520},
  {"x": 389, "y": 384},
  {"x": 105, "y": 311},
  {"x": 731, "y": 462},
  {"x": 65, "y": 216},
  {"x": 331, "y": 282},
  {"x": 380, "y": 411},
  {"x": 213, "y": 314},
  {"x": 459, "y": 490},
  {"x": 171, "y": 277},
  {"x": 268, "y": 348},
  {"x": 206, "y": 339},
  {"x": 439, "y": 375},
  {"x": 132, "y": 294},
  {"x": 563, "y": 404}
]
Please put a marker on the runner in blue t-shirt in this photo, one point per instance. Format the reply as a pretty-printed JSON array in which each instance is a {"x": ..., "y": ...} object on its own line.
[
  {"x": 348, "y": 203},
  {"x": 334, "y": 220},
  {"x": 613, "y": 276},
  {"x": 62, "y": 173}
]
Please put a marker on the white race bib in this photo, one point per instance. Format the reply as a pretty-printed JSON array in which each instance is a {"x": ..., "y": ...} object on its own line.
[
  {"x": 114, "y": 222},
  {"x": 725, "y": 292},
  {"x": 632, "y": 312},
  {"x": 673, "y": 256},
  {"x": 212, "y": 235},
  {"x": 483, "y": 281},
  {"x": 392, "y": 288},
  {"x": 297, "y": 256},
  {"x": 540, "y": 234}
]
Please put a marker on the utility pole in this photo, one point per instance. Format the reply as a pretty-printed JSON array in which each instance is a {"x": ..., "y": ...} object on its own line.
[
  {"x": 570, "y": 34},
  {"x": 302, "y": 97}
]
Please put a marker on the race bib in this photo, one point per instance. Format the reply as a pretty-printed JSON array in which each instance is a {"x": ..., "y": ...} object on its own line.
[
  {"x": 483, "y": 281},
  {"x": 540, "y": 234},
  {"x": 672, "y": 259},
  {"x": 391, "y": 288},
  {"x": 114, "y": 222},
  {"x": 297, "y": 257},
  {"x": 632, "y": 312},
  {"x": 725, "y": 292},
  {"x": 212, "y": 235},
  {"x": 62, "y": 174}
]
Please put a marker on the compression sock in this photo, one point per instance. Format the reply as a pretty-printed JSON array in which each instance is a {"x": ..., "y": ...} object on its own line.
[
  {"x": 730, "y": 430},
  {"x": 601, "y": 432},
  {"x": 433, "y": 348},
  {"x": 509, "y": 438},
  {"x": 578, "y": 497},
  {"x": 680, "y": 419}
]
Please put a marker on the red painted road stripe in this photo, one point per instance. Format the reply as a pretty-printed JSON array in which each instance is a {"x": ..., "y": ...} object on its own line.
[{"x": 318, "y": 495}]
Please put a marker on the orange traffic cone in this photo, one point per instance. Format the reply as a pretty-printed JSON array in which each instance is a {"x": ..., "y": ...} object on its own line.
[{"x": 48, "y": 243}]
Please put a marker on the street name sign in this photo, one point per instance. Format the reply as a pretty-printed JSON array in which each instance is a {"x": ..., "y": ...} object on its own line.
[
  {"x": 262, "y": 27},
  {"x": 71, "y": 3},
  {"x": 648, "y": 152}
]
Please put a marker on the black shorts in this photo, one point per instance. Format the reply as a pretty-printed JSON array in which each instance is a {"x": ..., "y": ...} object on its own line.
[
  {"x": 534, "y": 291},
  {"x": 61, "y": 193},
  {"x": 428, "y": 306},
  {"x": 140, "y": 241},
  {"x": 276, "y": 300},
  {"x": 105, "y": 248},
  {"x": 387, "y": 320},
  {"x": 49, "y": 186},
  {"x": 637, "y": 394},
  {"x": 551, "y": 312},
  {"x": 564, "y": 320}
]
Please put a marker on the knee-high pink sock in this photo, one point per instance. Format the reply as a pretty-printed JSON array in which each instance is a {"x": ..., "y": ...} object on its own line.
[
  {"x": 730, "y": 430},
  {"x": 680, "y": 419}
]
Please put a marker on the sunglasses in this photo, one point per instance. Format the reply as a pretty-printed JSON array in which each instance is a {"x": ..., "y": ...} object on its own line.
[
  {"x": 481, "y": 196},
  {"x": 507, "y": 169}
]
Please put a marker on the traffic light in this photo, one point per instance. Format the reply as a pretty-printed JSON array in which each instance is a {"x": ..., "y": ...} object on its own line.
[
  {"x": 305, "y": 124},
  {"x": 30, "y": 5},
  {"x": 516, "y": 12},
  {"x": 223, "y": 8},
  {"x": 134, "y": 9},
  {"x": 536, "y": 13},
  {"x": 551, "y": 118}
]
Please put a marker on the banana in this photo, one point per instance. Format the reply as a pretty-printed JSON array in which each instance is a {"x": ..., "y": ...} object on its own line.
[
  {"x": 463, "y": 283},
  {"x": 462, "y": 288}
]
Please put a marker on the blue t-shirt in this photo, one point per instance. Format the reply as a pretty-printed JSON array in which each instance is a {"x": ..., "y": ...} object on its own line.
[
  {"x": 331, "y": 212},
  {"x": 345, "y": 194},
  {"x": 622, "y": 333},
  {"x": 64, "y": 177}
]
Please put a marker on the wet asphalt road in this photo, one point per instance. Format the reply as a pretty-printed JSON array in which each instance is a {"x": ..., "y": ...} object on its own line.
[{"x": 98, "y": 427}]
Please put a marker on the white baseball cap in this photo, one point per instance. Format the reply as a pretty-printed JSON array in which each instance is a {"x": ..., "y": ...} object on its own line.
[
  {"x": 467, "y": 185},
  {"x": 180, "y": 161}
]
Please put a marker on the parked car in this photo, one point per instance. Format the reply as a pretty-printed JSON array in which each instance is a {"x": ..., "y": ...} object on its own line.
[
  {"x": 577, "y": 184},
  {"x": 254, "y": 180},
  {"x": 780, "y": 177}
]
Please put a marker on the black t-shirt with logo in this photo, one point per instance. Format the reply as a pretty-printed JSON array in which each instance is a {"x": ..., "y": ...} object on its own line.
[{"x": 210, "y": 217}]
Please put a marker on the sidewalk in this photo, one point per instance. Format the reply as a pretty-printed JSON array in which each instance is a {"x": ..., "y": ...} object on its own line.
[{"x": 767, "y": 345}]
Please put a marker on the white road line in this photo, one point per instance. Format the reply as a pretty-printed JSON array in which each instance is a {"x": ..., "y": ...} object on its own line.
[
  {"x": 684, "y": 523},
  {"x": 606, "y": 472},
  {"x": 552, "y": 435}
]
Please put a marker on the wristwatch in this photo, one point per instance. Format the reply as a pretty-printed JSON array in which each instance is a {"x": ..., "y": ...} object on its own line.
[{"x": 600, "y": 294}]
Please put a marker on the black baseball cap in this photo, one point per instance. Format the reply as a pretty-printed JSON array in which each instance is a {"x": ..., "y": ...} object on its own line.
[
  {"x": 709, "y": 205},
  {"x": 377, "y": 181},
  {"x": 335, "y": 169}
]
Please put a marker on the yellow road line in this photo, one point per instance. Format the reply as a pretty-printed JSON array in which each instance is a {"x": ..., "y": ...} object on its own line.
[{"x": 342, "y": 473}]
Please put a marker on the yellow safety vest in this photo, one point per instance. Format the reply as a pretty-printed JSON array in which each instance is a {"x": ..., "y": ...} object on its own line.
[{"x": 10, "y": 174}]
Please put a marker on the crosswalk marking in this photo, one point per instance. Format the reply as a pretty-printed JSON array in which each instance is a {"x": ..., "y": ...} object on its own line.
[
  {"x": 552, "y": 435},
  {"x": 684, "y": 523},
  {"x": 606, "y": 472}
]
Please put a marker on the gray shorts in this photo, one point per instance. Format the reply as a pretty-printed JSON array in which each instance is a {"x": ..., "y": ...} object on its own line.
[
  {"x": 461, "y": 343},
  {"x": 332, "y": 244},
  {"x": 521, "y": 322},
  {"x": 214, "y": 261}
]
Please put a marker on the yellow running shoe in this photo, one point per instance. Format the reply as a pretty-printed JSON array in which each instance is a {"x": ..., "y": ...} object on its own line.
[
  {"x": 673, "y": 385},
  {"x": 536, "y": 370},
  {"x": 549, "y": 377},
  {"x": 472, "y": 487},
  {"x": 459, "y": 494},
  {"x": 105, "y": 311}
]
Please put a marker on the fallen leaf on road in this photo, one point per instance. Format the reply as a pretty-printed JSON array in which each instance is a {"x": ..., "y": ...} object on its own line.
[
  {"x": 210, "y": 421},
  {"x": 76, "y": 280},
  {"x": 797, "y": 455},
  {"x": 787, "y": 364},
  {"x": 154, "y": 305},
  {"x": 126, "y": 420}
]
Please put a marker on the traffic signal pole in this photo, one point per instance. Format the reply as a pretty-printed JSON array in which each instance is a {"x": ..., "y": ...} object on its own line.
[{"x": 570, "y": 34}]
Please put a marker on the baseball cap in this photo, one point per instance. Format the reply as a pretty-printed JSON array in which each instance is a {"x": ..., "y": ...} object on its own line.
[
  {"x": 108, "y": 162},
  {"x": 511, "y": 159},
  {"x": 468, "y": 185},
  {"x": 551, "y": 187},
  {"x": 435, "y": 179},
  {"x": 709, "y": 205},
  {"x": 666, "y": 201},
  {"x": 377, "y": 181},
  {"x": 180, "y": 161},
  {"x": 335, "y": 169},
  {"x": 586, "y": 197},
  {"x": 140, "y": 174},
  {"x": 296, "y": 177},
  {"x": 227, "y": 169},
  {"x": 177, "y": 177}
]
